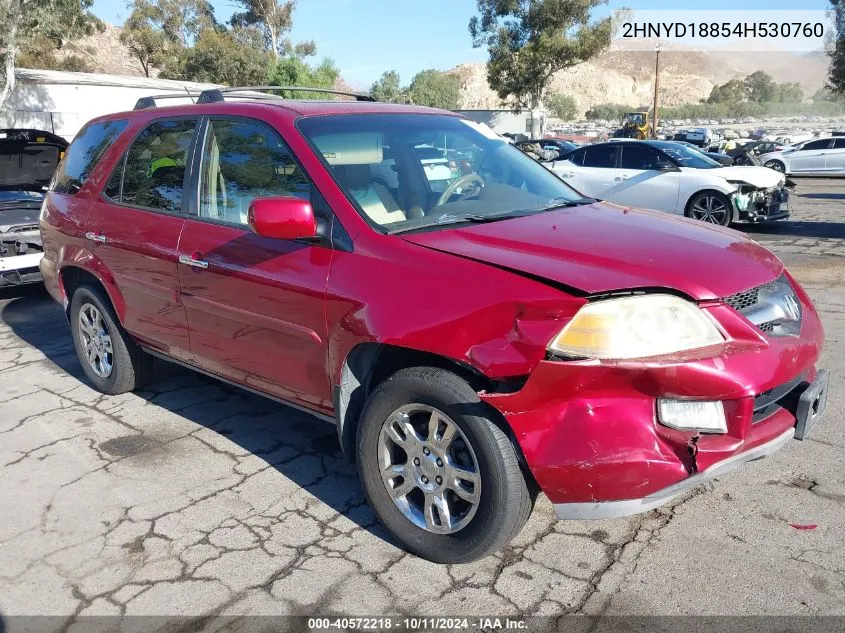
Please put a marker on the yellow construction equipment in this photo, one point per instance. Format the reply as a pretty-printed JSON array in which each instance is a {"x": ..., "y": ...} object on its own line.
[{"x": 635, "y": 125}]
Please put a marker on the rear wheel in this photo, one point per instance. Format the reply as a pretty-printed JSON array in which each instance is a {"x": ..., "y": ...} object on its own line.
[
  {"x": 442, "y": 477},
  {"x": 776, "y": 165},
  {"x": 712, "y": 207},
  {"x": 110, "y": 358}
]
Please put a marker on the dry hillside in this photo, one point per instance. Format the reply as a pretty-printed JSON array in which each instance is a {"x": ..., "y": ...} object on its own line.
[
  {"x": 627, "y": 77},
  {"x": 624, "y": 77}
]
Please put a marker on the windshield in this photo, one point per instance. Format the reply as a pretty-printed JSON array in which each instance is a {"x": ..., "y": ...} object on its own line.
[
  {"x": 686, "y": 156},
  {"x": 410, "y": 171}
]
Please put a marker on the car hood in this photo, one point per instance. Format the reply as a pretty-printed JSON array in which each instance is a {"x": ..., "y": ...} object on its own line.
[
  {"x": 28, "y": 158},
  {"x": 601, "y": 247},
  {"x": 761, "y": 177}
]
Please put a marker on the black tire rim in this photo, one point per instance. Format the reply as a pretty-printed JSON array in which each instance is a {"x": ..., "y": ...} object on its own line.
[{"x": 710, "y": 208}]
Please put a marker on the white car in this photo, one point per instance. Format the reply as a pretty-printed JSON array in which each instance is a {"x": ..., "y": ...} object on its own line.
[
  {"x": 821, "y": 156},
  {"x": 674, "y": 178}
]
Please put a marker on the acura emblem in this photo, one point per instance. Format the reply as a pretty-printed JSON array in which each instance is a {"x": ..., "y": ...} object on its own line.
[{"x": 791, "y": 307}]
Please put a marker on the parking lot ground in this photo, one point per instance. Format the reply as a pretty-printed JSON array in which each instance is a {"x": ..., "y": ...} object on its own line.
[{"x": 193, "y": 498}]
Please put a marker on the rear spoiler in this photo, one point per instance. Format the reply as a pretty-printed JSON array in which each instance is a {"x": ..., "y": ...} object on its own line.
[{"x": 23, "y": 135}]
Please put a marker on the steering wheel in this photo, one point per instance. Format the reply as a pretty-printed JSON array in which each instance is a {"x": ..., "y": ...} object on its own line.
[{"x": 460, "y": 182}]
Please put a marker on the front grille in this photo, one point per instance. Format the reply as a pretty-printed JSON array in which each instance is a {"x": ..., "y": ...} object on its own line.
[
  {"x": 783, "y": 396},
  {"x": 741, "y": 301},
  {"x": 766, "y": 307}
]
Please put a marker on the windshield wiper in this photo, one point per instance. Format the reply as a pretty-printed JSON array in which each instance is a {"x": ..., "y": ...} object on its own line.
[{"x": 449, "y": 219}]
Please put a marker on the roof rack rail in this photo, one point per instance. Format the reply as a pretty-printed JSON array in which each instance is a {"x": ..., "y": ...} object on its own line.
[
  {"x": 216, "y": 95},
  {"x": 150, "y": 102}
]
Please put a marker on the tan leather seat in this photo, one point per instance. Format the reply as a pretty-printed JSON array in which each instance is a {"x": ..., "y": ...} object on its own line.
[{"x": 375, "y": 199}]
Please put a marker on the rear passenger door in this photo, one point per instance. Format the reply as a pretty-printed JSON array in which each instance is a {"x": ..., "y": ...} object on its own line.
[
  {"x": 646, "y": 180},
  {"x": 590, "y": 170},
  {"x": 134, "y": 227},
  {"x": 256, "y": 305}
]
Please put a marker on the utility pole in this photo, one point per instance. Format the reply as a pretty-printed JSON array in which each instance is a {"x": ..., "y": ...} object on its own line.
[{"x": 656, "y": 90}]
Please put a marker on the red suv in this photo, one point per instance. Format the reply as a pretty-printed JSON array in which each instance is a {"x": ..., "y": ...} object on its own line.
[{"x": 477, "y": 335}]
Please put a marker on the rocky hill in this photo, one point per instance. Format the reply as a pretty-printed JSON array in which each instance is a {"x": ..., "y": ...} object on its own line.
[{"x": 627, "y": 77}]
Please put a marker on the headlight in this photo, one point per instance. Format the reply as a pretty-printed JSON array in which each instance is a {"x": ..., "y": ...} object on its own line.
[{"x": 636, "y": 327}]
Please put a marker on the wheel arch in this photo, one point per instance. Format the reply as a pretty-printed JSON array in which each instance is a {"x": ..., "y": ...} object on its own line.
[
  {"x": 368, "y": 364},
  {"x": 71, "y": 276}
]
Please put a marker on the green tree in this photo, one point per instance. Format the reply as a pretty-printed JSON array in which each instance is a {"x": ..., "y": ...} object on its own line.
[
  {"x": 275, "y": 19},
  {"x": 530, "y": 40},
  {"x": 562, "y": 106},
  {"x": 233, "y": 57},
  {"x": 836, "y": 50},
  {"x": 733, "y": 91},
  {"x": 788, "y": 93},
  {"x": 293, "y": 70},
  {"x": 760, "y": 87},
  {"x": 158, "y": 32},
  {"x": 388, "y": 88},
  {"x": 26, "y": 22},
  {"x": 436, "y": 89},
  {"x": 607, "y": 112}
]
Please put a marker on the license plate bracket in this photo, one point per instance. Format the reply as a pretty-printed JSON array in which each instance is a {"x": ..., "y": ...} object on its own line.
[{"x": 812, "y": 404}]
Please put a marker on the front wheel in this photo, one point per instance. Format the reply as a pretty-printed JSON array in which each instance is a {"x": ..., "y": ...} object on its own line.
[
  {"x": 711, "y": 207},
  {"x": 442, "y": 477},
  {"x": 776, "y": 165}
]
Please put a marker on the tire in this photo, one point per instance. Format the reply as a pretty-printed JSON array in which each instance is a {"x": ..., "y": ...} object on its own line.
[
  {"x": 713, "y": 200},
  {"x": 776, "y": 165},
  {"x": 504, "y": 501},
  {"x": 128, "y": 366}
]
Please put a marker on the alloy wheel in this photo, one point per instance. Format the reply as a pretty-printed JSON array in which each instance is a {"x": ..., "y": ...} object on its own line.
[
  {"x": 96, "y": 341},
  {"x": 711, "y": 209},
  {"x": 774, "y": 165},
  {"x": 429, "y": 469}
]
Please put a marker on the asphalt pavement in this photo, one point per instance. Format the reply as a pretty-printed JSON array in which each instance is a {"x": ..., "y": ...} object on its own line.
[{"x": 193, "y": 498}]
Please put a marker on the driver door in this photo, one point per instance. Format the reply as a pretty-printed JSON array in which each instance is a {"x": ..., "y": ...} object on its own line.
[{"x": 646, "y": 179}]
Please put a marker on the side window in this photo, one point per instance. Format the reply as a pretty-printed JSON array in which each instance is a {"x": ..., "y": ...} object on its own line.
[
  {"x": 601, "y": 156},
  {"x": 640, "y": 157},
  {"x": 154, "y": 172},
  {"x": 83, "y": 154},
  {"x": 242, "y": 161},
  {"x": 839, "y": 142},
  {"x": 577, "y": 157},
  {"x": 816, "y": 145}
]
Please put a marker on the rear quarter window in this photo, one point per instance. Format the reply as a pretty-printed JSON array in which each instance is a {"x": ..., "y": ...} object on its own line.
[{"x": 84, "y": 153}]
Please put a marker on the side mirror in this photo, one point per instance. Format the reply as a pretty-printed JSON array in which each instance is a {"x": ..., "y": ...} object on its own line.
[{"x": 282, "y": 218}]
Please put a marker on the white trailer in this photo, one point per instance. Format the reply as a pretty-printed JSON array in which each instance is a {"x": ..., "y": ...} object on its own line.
[{"x": 62, "y": 102}]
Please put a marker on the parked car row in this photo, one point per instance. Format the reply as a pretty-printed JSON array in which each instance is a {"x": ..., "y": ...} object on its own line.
[{"x": 478, "y": 327}]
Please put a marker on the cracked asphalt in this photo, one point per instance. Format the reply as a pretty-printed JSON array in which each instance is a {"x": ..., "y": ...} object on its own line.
[{"x": 193, "y": 498}]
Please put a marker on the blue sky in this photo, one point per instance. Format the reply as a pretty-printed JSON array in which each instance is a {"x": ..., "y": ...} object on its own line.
[{"x": 367, "y": 37}]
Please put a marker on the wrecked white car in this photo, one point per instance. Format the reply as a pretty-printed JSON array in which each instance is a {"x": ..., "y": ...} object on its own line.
[
  {"x": 670, "y": 177},
  {"x": 28, "y": 159}
]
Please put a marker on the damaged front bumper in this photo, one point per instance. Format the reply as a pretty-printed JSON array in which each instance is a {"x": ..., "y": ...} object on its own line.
[
  {"x": 762, "y": 205},
  {"x": 20, "y": 256},
  {"x": 591, "y": 435}
]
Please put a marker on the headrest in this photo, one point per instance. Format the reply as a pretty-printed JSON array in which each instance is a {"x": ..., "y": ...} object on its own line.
[
  {"x": 353, "y": 176},
  {"x": 354, "y": 148}
]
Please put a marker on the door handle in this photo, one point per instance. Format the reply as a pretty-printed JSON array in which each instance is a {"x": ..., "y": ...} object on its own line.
[
  {"x": 190, "y": 261},
  {"x": 96, "y": 237},
  {"x": 621, "y": 178},
  {"x": 566, "y": 174}
]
